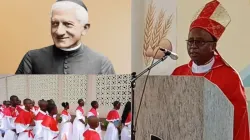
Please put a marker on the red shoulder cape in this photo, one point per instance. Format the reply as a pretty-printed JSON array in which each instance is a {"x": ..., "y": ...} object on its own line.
[
  {"x": 24, "y": 117},
  {"x": 40, "y": 116},
  {"x": 113, "y": 115},
  {"x": 80, "y": 109},
  {"x": 65, "y": 112},
  {"x": 10, "y": 112},
  {"x": 91, "y": 135},
  {"x": 92, "y": 110},
  {"x": 50, "y": 123}
]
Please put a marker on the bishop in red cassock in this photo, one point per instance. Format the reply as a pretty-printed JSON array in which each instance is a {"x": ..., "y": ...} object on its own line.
[{"x": 204, "y": 32}]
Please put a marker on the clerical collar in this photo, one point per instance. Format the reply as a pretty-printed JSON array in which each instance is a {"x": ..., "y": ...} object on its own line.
[
  {"x": 92, "y": 129},
  {"x": 71, "y": 49},
  {"x": 203, "y": 68}
]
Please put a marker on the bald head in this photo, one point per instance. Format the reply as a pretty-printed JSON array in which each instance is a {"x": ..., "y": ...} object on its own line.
[{"x": 93, "y": 122}]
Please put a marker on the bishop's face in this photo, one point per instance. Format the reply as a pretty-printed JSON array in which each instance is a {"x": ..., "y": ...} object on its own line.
[
  {"x": 200, "y": 46},
  {"x": 66, "y": 30}
]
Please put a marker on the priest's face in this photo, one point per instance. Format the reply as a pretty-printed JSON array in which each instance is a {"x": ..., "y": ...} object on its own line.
[
  {"x": 14, "y": 101},
  {"x": 43, "y": 105},
  {"x": 28, "y": 104},
  {"x": 200, "y": 46},
  {"x": 66, "y": 29}
]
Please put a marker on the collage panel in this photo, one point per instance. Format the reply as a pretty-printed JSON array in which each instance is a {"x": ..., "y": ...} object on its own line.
[
  {"x": 66, "y": 37},
  {"x": 67, "y": 107},
  {"x": 191, "y": 80},
  {"x": 125, "y": 70}
]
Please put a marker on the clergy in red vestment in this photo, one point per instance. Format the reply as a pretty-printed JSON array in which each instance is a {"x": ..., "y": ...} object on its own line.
[
  {"x": 6, "y": 104},
  {"x": 79, "y": 121},
  {"x": 112, "y": 132},
  {"x": 38, "y": 129},
  {"x": 10, "y": 115},
  {"x": 204, "y": 32},
  {"x": 49, "y": 124},
  {"x": 25, "y": 122},
  {"x": 91, "y": 133},
  {"x": 93, "y": 112}
]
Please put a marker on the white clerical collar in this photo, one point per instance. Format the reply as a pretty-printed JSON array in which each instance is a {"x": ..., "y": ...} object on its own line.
[
  {"x": 202, "y": 68},
  {"x": 71, "y": 49},
  {"x": 90, "y": 129}
]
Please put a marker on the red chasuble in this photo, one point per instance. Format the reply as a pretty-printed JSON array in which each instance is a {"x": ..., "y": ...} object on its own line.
[
  {"x": 227, "y": 79},
  {"x": 40, "y": 116},
  {"x": 113, "y": 115},
  {"x": 10, "y": 112},
  {"x": 91, "y": 135},
  {"x": 50, "y": 123}
]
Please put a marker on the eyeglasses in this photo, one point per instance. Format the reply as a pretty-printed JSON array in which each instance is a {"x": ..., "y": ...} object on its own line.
[{"x": 198, "y": 43}]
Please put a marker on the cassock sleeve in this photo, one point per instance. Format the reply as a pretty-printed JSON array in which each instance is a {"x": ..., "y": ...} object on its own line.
[
  {"x": 25, "y": 67},
  {"x": 236, "y": 94},
  {"x": 107, "y": 66}
]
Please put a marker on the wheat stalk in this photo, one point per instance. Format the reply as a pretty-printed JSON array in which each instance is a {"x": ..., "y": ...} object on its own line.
[
  {"x": 165, "y": 29},
  {"x": 148, "y": 30},
  {"x": 157, "y": 29}
]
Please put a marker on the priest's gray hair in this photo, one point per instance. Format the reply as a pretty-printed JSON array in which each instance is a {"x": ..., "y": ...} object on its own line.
[{"x": 81, "y": 12}]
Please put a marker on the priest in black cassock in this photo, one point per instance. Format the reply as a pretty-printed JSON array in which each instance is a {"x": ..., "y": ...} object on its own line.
[{"x": 69, "y": 21}]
